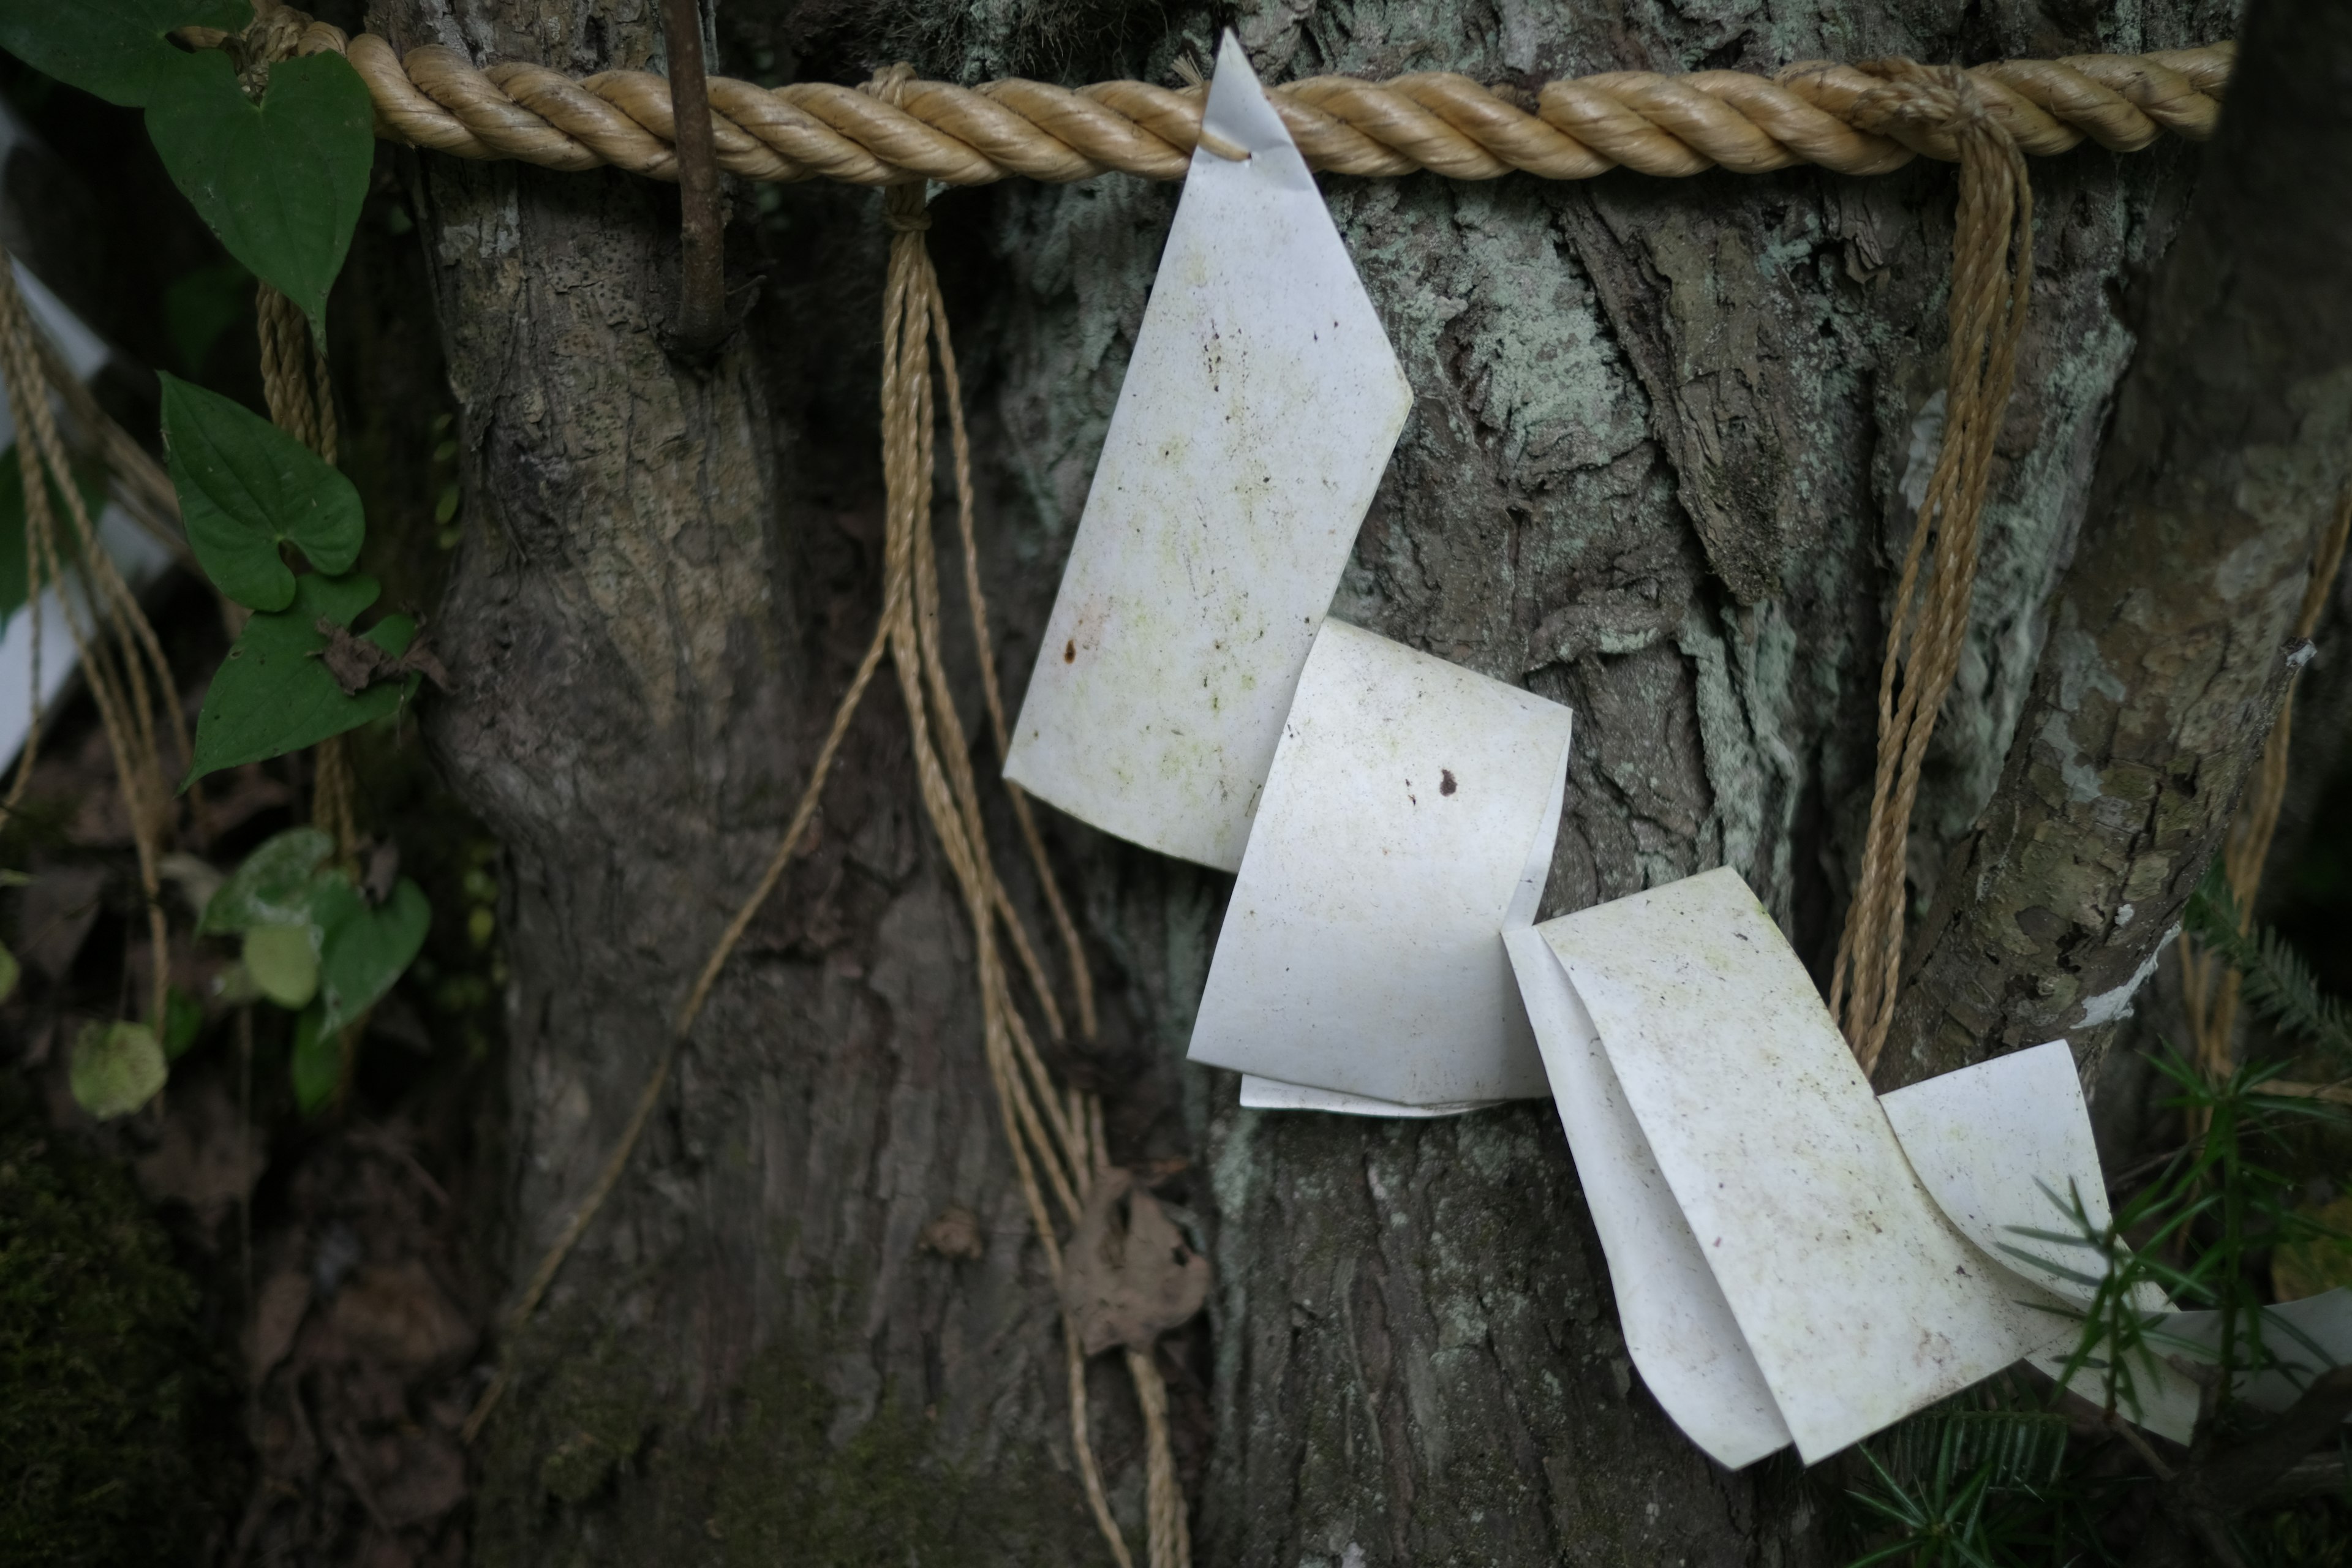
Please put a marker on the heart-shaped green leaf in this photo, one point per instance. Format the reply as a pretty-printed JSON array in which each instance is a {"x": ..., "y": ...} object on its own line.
[
  {"x": 284, "y": 963},
  {"x": 365, "y": 949},
  {"x": 184, "y": 1022},
  {"x": 272, "y": 695},
  {"x": 246, "y": 487},
  {"x": 115, "y": 49},
  {"x": 115, "y": 1069},
  {"x": 273, "y": 886},
  {"x": 281, "y": 181},
  {"x": 317, "y": 1064}
]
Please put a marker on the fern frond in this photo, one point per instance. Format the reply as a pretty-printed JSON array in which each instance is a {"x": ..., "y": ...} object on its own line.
[{"x": 2276, "y": 981}]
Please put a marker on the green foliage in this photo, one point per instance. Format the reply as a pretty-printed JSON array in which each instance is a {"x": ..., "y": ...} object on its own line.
[
  {"x": 281, "y": 181},
  {"x": 114, "y": 48},
  {"x": 246, "y": 487},
  {"x": 363, "y": 949},
  {"x": 2276, "y": 981},
  {"x": 102, "y": 1369},
  {"x": 314, "y": 942},
  {"x": 15, "y": 580},
  {"x": 10, "y": 971},
  {"x": 183, "y": 1021},
  {"x": 317, "y": 1063},
  {"x": 115, "y": 1069},
  {"x": 284, "y": 963},
  {"x": 1988, "y": 1481},
  {"x": 273, "y": 695},
  {"x": 272, "y": 888},
  {"x": 2229, "y": 1195}
]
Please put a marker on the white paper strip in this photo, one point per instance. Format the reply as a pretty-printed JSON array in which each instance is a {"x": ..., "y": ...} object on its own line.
[
  {"x": 1678, "y": 1328},
  {"x": 2325, "y": 1320},
  {"x": 1258, "y": 412},
  {"x": 1859, "y": 1301},
  {"x": 1987, "y": 1140},
  {"x": 1993, "y": 1142},
  {"x": 1408, "y": 821},
  {"x": 1273, "y": 1094}
]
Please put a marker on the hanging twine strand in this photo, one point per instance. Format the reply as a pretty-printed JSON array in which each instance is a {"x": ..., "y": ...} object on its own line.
[
  {"x": 120, "y": 659},
  {"x": 1054, "y": 1135},
  {"x": 1047, "y": 1131},
  {"x": 1436, "y": 121},
  {"x": 1992, "y": 278}
]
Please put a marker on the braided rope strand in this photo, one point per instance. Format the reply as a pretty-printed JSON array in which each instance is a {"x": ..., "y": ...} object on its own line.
[{"x": 1435, "y": 121}]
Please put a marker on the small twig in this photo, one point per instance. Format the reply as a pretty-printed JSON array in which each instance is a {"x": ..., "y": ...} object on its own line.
[{"x": 701, "y": 299}]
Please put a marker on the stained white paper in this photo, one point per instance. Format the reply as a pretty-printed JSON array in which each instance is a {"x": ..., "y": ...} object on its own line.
[
  {"x": 1259, "y": 409},
  {"x": 1860, "y": 1302},
  {"x": 1273, "y": 1094},
  {"x": 1678, "y": 1328},
  {"x": 1408, "y": 821},
  {"x": 1993, "y": 1142}
]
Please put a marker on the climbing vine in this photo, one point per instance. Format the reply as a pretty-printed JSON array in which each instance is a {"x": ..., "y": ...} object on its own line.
[{"x": 274, "y": 153}]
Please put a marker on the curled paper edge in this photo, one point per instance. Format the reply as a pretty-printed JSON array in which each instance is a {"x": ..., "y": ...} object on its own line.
[
  {"x": 1273, "y": 1094},
  {"x": 1677, "y": 1324}
]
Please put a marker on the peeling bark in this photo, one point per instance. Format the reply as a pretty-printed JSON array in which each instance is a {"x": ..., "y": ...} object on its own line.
[
  {"x": 2170, "y": 642},
  {"x": 1656, "y": 471}
]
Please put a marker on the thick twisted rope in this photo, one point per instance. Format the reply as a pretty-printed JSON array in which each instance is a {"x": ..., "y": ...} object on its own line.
[{"x": 1438, "y": 121}]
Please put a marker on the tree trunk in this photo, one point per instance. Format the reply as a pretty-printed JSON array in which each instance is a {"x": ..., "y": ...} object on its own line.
[
  {"x": 1656, "y": 469},
  {"x": 2174, "y": 629}
]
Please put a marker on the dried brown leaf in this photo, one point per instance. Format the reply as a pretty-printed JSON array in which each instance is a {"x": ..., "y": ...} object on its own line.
[
  {"x": 1130, "y": 1275},
  {"x": 955, "y": 1234}
]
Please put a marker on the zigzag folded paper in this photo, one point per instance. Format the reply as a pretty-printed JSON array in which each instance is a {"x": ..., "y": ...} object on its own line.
[{"x": 1780, "y": 1267}]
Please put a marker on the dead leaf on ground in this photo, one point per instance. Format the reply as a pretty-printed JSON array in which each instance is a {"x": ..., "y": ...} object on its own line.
[
  {"x": 277, "y": 1312},
  {"x": 398, "y": 1313},
  {"x": 426, "y": 1480},
  {"x": 955, "y": 1234},
  {"x": 207, "y": 1159},
  {"x": 1129, "y": 1275}
]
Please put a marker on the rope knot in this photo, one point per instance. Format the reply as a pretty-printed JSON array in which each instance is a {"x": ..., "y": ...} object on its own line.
[
  {"x": 1932, "y": 109},
  {"x": 891, "y": 84},
  {"x": 906, "y": 208},
  {"x": 275, "y": 34}
]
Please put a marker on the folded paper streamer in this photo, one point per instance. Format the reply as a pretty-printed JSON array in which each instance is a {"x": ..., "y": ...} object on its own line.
[
  {"x": 1408, "y": 821},
  {"x": 1779, "y": 1266},
  {"x": 1258, "y": 412}
]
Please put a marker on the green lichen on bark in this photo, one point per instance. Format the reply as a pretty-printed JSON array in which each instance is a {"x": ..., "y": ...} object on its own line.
[{"x": 106, "y": 1439}]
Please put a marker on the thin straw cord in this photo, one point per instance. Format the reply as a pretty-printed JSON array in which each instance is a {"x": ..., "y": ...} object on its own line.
[
  {"x": 2210, "y": 989},
  {"x": 1992, "y": 273},
  {"x": 117, "y": 648},
  {"x": 1435, "y": 121}
]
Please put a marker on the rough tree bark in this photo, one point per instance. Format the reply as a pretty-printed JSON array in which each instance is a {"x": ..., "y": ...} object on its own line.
[
  {"x": 2232, "y": 441},
  {"x": 1657, "y": 469}
]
